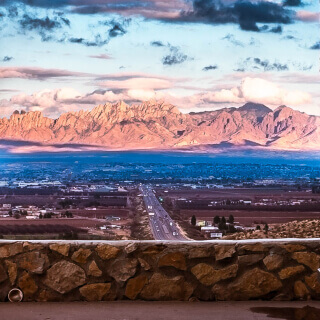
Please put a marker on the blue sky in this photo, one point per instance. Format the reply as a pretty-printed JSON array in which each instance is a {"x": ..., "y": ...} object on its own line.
[{"x": 66, "y": 55}]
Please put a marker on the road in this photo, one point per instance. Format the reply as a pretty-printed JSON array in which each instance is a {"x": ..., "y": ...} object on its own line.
[{"x": 162, "y": 226}]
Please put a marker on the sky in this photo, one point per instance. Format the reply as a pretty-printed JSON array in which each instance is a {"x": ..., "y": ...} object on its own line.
[{"x": 67, "y": 55}]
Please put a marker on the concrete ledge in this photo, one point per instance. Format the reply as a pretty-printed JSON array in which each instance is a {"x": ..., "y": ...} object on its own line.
[
  {"x": 142, "y": 310},
  {"x": 271, "y": 269}
]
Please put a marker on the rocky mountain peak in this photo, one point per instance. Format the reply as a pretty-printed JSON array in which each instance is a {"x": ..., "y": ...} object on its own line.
[
  {"x": 157, "y": 124},
  {"x": 258, "y": 108}
]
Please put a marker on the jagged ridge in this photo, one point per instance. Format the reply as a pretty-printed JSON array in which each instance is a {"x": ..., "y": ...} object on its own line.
[{"x": 154, "y": 125}]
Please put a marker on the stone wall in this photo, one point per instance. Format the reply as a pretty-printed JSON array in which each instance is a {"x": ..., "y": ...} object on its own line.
[{"x": 156, "y": 270}]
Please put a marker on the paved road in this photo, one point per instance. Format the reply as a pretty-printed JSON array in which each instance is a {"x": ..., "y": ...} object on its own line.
[
  {"x": 162, "y": 226},
  {"x": 142, "y": 310}
]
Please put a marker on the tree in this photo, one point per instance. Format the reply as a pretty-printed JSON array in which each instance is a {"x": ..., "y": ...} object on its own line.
[
  {"x": 231, "y": 228},
  {"x": 231, "y": 218},
  {"x": 65, "y": 203},
  {"x": 40, "y": 216},
  {"x": 223, "y": 220},
  {"x": 68, "y": 214},
  {"x": 17, "y": 215},
  {"x": 216, "y": 220},
  {"x": 258, "y": 227},
  {"x": 222, "y": 225},
  {"x": 266, "y": 228},
  {"x": 228, "y": 202},
  {"x": 193, "y": 220}
]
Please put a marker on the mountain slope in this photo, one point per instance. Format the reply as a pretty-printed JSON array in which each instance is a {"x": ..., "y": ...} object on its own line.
[{"x": 159, "y": 125}]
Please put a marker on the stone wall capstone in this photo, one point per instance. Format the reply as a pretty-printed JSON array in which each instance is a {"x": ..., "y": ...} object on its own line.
[{"x": 161, "y": 270}]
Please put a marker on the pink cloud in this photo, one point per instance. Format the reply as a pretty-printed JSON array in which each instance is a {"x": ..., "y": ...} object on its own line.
[
  {"x": 138, "y": 83},
  {"x": 37, "y": 73},
  {"x": 101, "y": 56},
  {"x": 308, "y": 16}
]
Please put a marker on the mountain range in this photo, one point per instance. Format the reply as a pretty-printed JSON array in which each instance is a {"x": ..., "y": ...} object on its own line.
[{"x": 159, "y": 125}]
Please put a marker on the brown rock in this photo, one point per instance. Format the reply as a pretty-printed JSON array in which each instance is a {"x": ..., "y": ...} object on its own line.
[
  {"x": 60, "y": 248},
  {"x": 223, "y": 252},
  {"x": 313, "y": 282},
  {"x": 273, "y": 261},
  {"x": 200, "y": 252},
  {"x": 3, "y": 274},
  {"x": 208, "y": 276},
  {"x": 29, "y": 246},
  {"x": 256, "y": 247},
  {"x": 46, "y": 295},
  {"x": 9, "y": 250},
  {"x": 144, "y": 264},
  {"x": 33, "y": 261},
  {"x": 95, "y": 291},
  {"x": 27, "y": 285},
  {"x": 64, "y": 276},
  {"x": 173, "y": 259},
  {"x": 161, "y": 288},
  {"x": 252, "y": 284},
  {"x": 300, "y": 290},
  {"x": 122, "y": 270},
  {"x": 131, "y": 247},
  {"x": 135, "y": 285},
  {"x": 250, "y": 259},
  {"x": 293, "y": 247},
  {"x": 309, "y": 259},
  {"x": 107, "y": 252},
  {"x": 12, "y": 271},
  {"x": 153, "y": 250},
  {"x": 290, "y": 271},
  {"x": 94, "y": 270},
  {"x": 81, "y": 255}
]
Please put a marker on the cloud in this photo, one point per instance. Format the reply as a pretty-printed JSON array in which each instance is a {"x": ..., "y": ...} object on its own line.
[
  {"x": 157, "y": 44},
  {"x": 307, "y": 16},
  {"x": 289, "y": 37},
  {"x": 174, "y": 57},
  {"x": 211, "y": 67},
  {"x": 315, "y": 46},
  {"x": 277, "y": 29},
  {"x": 231, "y": 38},
  {"x": 259, "y": 64},
  {"x": 37, "y": 73},
  {"x": 116, "y": 31},
  {"x": 101, "y": 56},
  {"x": 116, "y": 28},
  {"x": 292, "y": 3},
  {"x": 43, "y": 26},
  {"x": 7, "y": 58},
  {"x": 138, "y": 83},
  {"x": 54, "y": 102},
  {"x": 246, "y": 13},
  {"x": 251, "y": 89},
  {"x": 56, "y": 27},
  {"x": 98, "y": 41},
  {"x": 255, "y": 90}
]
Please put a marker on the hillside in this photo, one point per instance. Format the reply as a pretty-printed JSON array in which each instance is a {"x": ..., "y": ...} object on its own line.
[{"x": 153, "y": 125}]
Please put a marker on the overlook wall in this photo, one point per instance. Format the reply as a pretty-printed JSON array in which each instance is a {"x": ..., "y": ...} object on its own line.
[{"x": 158, "y": 270}]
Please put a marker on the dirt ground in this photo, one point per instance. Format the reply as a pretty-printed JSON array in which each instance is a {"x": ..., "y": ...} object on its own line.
[
  {"x": 240, "y": 193},
  {"x": 248, "y": 218}
]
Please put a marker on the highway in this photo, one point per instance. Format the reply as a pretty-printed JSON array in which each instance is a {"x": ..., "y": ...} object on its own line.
[{"x": 162, "y": 226}]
